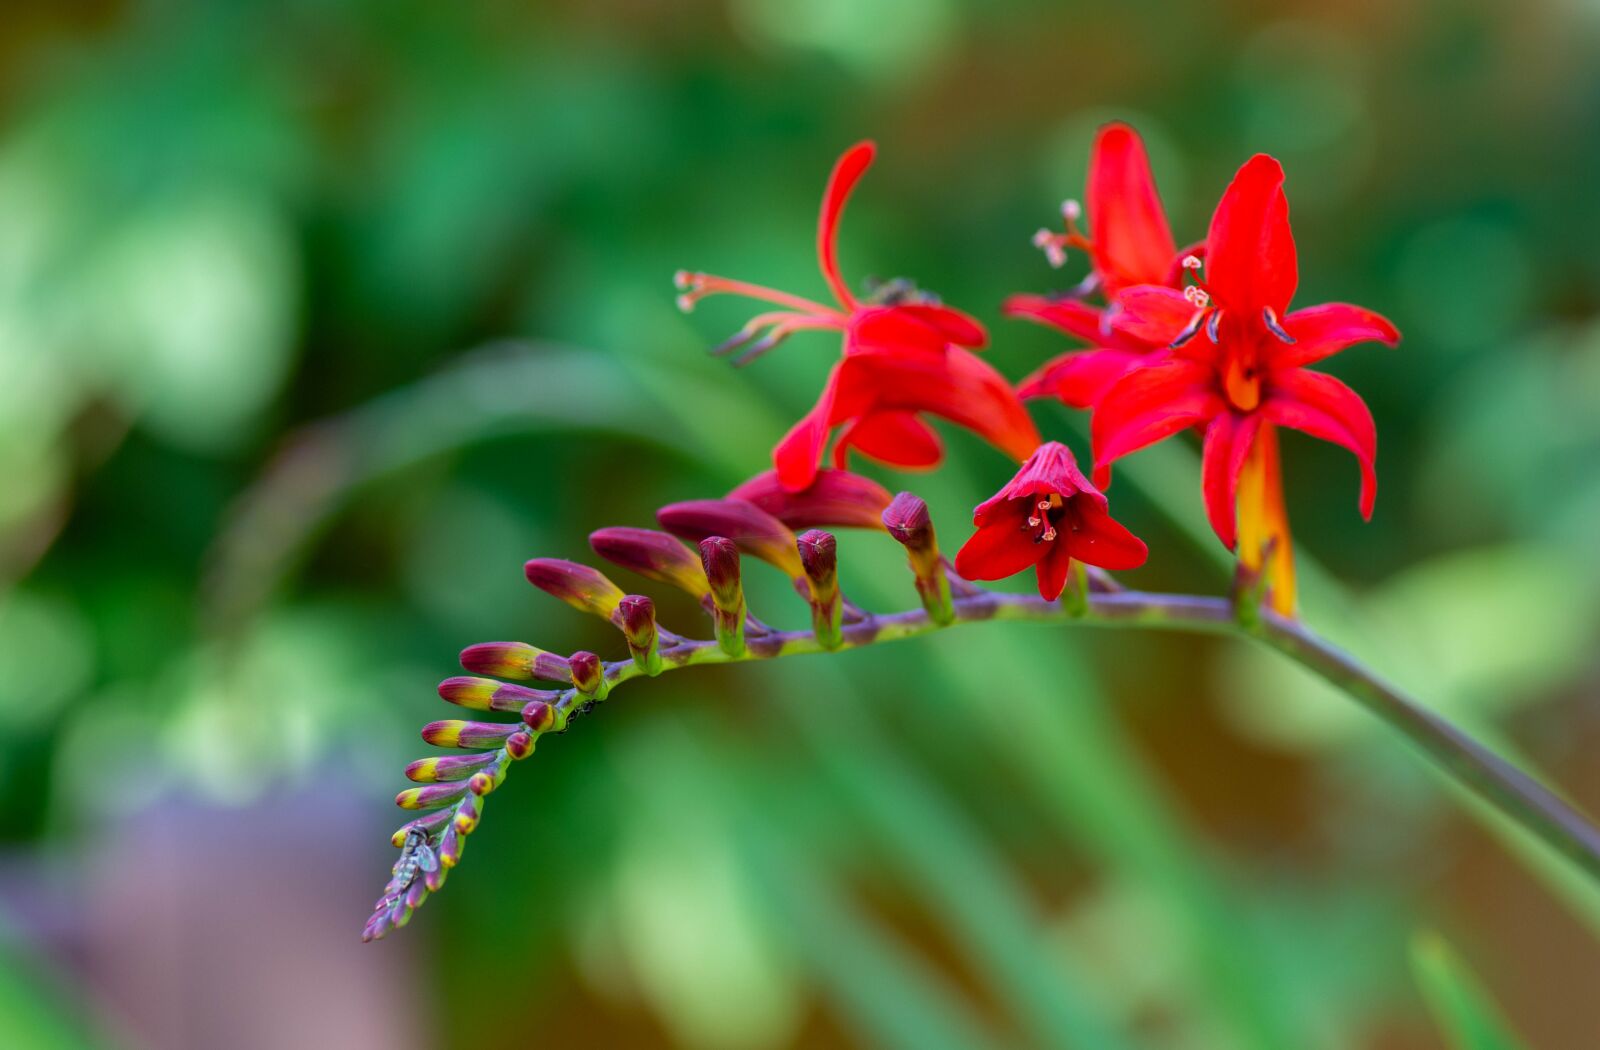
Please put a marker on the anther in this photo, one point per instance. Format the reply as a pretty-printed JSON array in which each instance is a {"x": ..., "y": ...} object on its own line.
[
  {"x": 1189, "y": 330},
  {"x": 1274, "y": 327},
  {"x": 1213, "y": 323},
  {"x": 1071, "y": 210},
  {"x": 1192, "y": 262}
]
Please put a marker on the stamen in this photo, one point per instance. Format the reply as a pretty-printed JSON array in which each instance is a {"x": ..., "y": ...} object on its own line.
[
  {"x": 1192, "y": 262},
  {"x": 1197, "y": 296},
  {"x": 1274, "y": 327},
  {"x": 1212, "y": 325},
  {"x": 696, "y": 286},
  {"x": 1048, "y": 534},
  {"x": 1071, "y": 211},
  {"x": 1054, "y": 246},
  {"x": 1189, "y": 330}
]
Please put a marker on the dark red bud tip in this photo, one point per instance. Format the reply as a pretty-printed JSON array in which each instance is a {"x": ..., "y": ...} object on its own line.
[
  {"x": 588, "y": 673},
  {"x": 578, "y": 585},
  {"x": 720, "y": 557},
  {"x": 539, "y": 715},
  {"x": 907, "y": 519},
  {"x": 637, "y": 615},
  {"x": 519, "y": 745},
  {"x": 819, "y": 554}
]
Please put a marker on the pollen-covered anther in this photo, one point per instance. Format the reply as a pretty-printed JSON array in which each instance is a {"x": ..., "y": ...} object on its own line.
[
  {"x": 1196, "y": 296},
  {"x": 1071, "y": 210},
  {"x": 1192, "y": 262}
]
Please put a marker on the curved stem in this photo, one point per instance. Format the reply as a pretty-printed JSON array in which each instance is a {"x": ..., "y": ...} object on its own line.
[{"x": 1474, "y": 765}]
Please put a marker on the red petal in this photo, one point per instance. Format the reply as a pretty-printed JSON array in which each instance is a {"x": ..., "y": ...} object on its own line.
[
  {"x": 1149, "y": 315},
  {"x": 958, "y": 386},
  {"x": 1071, "y": 316},
  {"x": 797, "y": 453},
  {"x": 1081, "y": 378},
  {"x": 894, "y": 437},
  {"x": 834, "y": 498},
  {"x": 1325, "y": 408},
  {"x": 1227, "y": 443},
  {"x": 846, "y": 172},
  {"x": 997, "y": 551},
  {"x": 913, "y": 327},
  {"x": 1053, "y": 569},
  {"x": 1322, "y": 331},
  {"x": 1250, "y": 257},
  {"x": 1149, "y": 404},
  {"x": 1132, "y": 241},
  {"x": 1100, "y": 540}
]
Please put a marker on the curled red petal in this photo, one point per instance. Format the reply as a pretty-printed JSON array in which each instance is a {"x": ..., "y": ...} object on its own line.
[
  {"x": 849, "y": 169},
  {"x": 997, "y": 551},
  {"x": 896, "y": 437},
  {"x": 1103, "y": 541},
  {"x": 834, "y": 498},
  {"x": 1132, "y": 241},
  {"x": 1150, "y": 315},
  {"x": 1322, "y": 331},
  {"x": 1227, "y": 443},
  {"x": 913, "y": 327},
  {"x": 1149, "y": 404},
  {"x": 1323, "y": 407},
  {"x": 1082, "y": 377},
  {"x": 797, "y": 453},
  {"x": 1070, "y": 315},
  {"x": 1250, "y": 255}
]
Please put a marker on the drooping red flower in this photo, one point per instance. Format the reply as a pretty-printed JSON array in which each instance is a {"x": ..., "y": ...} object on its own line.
[
  {"x": 1043, "y": 518},
  {"x": 905, "y": 355},
  {"x": 1237, "y": 368},
  {"x": 1131, "y": 245}
]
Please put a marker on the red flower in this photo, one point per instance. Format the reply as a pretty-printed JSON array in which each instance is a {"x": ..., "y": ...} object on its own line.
[
  {"x": 904, "y": 354},
  {"x": 1237, "y": 368},
  {"x": 1044, "y": 517},
  {"x": 1132, "y": 245}
]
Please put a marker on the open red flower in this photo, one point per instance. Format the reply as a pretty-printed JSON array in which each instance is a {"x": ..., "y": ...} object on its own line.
[
  {"x": 905, "y": 354},
  {"x": 1043, "y": 518},
  {"x": 1132, "y": 245},
  {"x": 1237, "y": 369}
]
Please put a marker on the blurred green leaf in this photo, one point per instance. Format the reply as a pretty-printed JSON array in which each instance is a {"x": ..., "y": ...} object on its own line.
[{"x": 1462, "y": 1009}]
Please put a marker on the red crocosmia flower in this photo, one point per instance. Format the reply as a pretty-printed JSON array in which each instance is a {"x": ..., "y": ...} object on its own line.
[
  {"x": 1043, "y": 518},
  {"x": 1237, "y": 369},
  {"x": 1132, "y": 245},
  {"x": 905, "y": 354}
]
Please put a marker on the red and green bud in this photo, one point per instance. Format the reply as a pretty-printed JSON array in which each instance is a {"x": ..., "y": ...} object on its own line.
[
  {"x": 589, "y": 675},
  {"x": 485, "y": 781},
  {"x": 519, "y": 745},
  {"x": 751, "y": 529},
  {"x": 486, "y": 694},
  {"x": 447, "y": 768},
  {"x": 451, "y": 843},
  {"x": 652, "y": 554},
  {"x": 468, "y": 812},
  {"x": 515, "y": 660},
  {"x": 539, "y": 716},
  {"x": 578, "y": 585},
  {"x": 834, "y": 499},
  {"x": 637, "y": 617},
  {"x": 429, "y": 796},
  {"x": 819, "y": 556},
  {"x": 720, "y": 557},
  {"x": 453, "y": 732},
  {"x": 908, "y": 522}
]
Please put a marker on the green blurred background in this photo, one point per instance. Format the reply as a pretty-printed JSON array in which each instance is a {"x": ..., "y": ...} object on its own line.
[{"x": 317, "y": 318}]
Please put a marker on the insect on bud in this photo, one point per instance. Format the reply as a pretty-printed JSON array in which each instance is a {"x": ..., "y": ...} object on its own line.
[
  {"x": 908, "y": 522},
  {"x": 819, "y": 555},
  {"x": 514, "y": 660},
  {"x": 637, "y": 615},
  {"x": 652, "y": 554},
  {"x": 720, "y": 556},
  {"x": 589, "y": 675},
  {"x": 578, "y": 585}
]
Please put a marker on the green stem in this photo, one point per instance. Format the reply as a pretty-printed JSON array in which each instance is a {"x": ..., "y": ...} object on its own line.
[{"x": 1497, "y": 781}]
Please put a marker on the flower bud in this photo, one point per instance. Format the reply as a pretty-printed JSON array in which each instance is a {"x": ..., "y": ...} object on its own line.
[
  {"x": 637, "y": 616},
  {"x": 720, "y": 556},
  {"x": 453, "y": 732},
  {"x": 486, "y": 694},
  {"x": 908, "y": 522},
  {"x": 447, "y": 768},
  {"x": 515, "y": 660},
  {"x": 819, "y": 556},
  {"x": 451, "y": 843},
  {"x": 655, "y": 555},
  {"x": 468, "y": 812},
  {"x": 539, "y": 716},
  {"x": 836, "y": 498},
  {"x": 578, "y": 585},
  {"x": 485, "y": 781},
  {"x": 752, "y": 529},
  {"x": 589, "y": 675},
  {"x": 429, "y": 796},
  {"x": 519, "y": 745}
]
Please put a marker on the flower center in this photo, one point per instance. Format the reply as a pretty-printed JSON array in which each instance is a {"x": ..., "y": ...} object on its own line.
[
  {"x": 1241, "y": 381},
  {"x": 1045, "y": 512}
]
